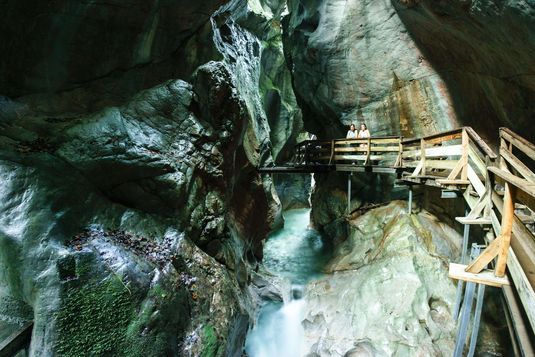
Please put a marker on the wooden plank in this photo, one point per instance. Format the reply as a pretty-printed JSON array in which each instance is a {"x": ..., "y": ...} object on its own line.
[
  {"x": 418, "y": 168},
  {"x": 455, "y": 172},
  {"x": 374, "y": 140},
  {"x": 518, "y": 165},
  {"x": 368, "y": 168},
  {"x": 357, "y": 157},
  {"x": 477, "y": 160},
  {"x": 453, "y": 182},
  {"x": 422, "y": 157},
  {"x": 439, "y": 137},
  {"x": 485, "y": 257},
  {"x": 526, "y": 341},
  {"x": 438, "y": 151},
  {"x": 475, "y": 181},
  {"x": 467, "y": 220},
  {"x": 364, "y": 149},
  {"x": 522, "y": 144},
  {"x": 458, "y": 272},
  {"x": 522, "y": 286},
  {"x": 521, "y": 184},
  {"x": 434, "y": 164},
  {"x": 16, "y": 341}
]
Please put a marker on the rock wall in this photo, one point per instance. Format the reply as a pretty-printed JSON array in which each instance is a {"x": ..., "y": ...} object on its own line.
[
  {"x": 409, "y": 68},
  {"x": 132, "y": 212}
]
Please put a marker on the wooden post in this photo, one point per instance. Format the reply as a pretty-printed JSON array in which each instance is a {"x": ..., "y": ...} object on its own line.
[
  {"x": 422, "y": 156},
  {"x": 399, "y": 162},
  {"x": 331, "y": 157},
  {"x": 503, "y": 147},
  {"x": 464, "y": 157},
  {"x": 368, "y": 152},
  {"x": 506, "y": 229}
]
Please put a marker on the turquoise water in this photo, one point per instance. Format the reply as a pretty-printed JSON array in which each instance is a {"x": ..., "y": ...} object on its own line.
[{"x": 296, "y": 253}]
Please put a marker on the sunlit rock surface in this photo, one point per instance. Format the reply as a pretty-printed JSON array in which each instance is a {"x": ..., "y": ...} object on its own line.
[
  {"x": 412, "y": 67},
  {"x": 387, "y": 292}
]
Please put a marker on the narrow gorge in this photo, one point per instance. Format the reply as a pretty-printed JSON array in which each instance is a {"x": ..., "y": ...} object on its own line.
[{"x": 154, "y": 201}]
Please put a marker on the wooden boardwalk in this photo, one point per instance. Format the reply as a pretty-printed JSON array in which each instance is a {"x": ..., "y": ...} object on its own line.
[{"x": 498, "y": 188}]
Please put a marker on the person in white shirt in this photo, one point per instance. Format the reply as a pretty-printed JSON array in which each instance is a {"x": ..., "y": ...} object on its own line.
[
  {"x": 351, "y": 133},
  {"x": 363, "y": 132}
]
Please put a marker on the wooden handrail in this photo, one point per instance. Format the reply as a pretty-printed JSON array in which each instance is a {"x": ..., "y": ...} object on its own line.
[
  {"x": 433, "y": 136},
  {"x": 481, "y": 144},
  {"x": 519, "y": 142}
]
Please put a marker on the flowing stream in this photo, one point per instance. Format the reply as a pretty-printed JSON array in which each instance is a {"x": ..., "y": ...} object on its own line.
[{"x": 296, "y": 253}]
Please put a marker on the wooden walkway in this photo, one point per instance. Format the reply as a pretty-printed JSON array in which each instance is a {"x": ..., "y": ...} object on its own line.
[{"x": 498, "y": 188}]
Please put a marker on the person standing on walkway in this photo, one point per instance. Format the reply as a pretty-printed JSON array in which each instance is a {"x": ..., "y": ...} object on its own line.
[
  {"x": 363, "y": 132},
  {"x": 351, "y": 133}
]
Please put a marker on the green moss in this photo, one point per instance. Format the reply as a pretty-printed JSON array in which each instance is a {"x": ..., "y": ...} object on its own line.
[
  {"x": 94, "y": 318},
  {"x": 210, "y": 343}
]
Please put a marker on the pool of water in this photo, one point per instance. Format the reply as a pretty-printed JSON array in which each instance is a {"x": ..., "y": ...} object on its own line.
[{"x": 298, "y": 254}]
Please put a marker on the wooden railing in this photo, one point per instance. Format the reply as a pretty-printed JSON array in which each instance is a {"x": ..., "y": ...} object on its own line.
[{"x": 451, "y": 155}]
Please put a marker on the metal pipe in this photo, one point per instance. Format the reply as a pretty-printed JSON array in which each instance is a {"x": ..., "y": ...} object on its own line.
[
  {"x": 466, "y": 310},
  {"x": 460, "y": 283},
  {"x": 477, "y": 319},
  {"x": 465, "y": 319},
  {"x": 349, "y": 193},
  {"x": 410, "y": 199}
]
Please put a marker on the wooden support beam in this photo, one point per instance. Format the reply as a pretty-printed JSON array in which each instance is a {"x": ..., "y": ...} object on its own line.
[
  {"x": 468, "y": 220},
  {"x": 464, "y": 157},
  {"x": 507, "y": 227},
  {"x": 475, "y": 181},
  {"x": 521, "y": 184},
  {"x": 485, "y": 257},
  {"x": 525, "y": 146},
  {"x": 368, "y": 152},
  {"x": 422, "y": 156},
  {"x": 487, "y": 277},
  {"x": 453, "y": 182}
]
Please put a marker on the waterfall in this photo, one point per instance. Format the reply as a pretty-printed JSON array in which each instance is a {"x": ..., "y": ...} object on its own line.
[
  {"x": 278, "y": 331},
  {"x": 296, "y": 253}
]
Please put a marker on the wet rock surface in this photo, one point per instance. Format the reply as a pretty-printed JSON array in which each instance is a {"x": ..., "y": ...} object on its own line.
[
  {"x": 387, "y": 292},
  {"x": 131, "y": 210},
  {"x": 293, "y": 190}
]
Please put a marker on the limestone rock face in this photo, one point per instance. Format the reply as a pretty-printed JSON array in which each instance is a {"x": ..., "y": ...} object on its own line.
[
  {"x": 355, "y": 61},
  {"x": 293, "y": 190},
  {"x": 412, "y": 67},
  {"x": 387, "y": 292},
  {"x": 131, "y": 209}
]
